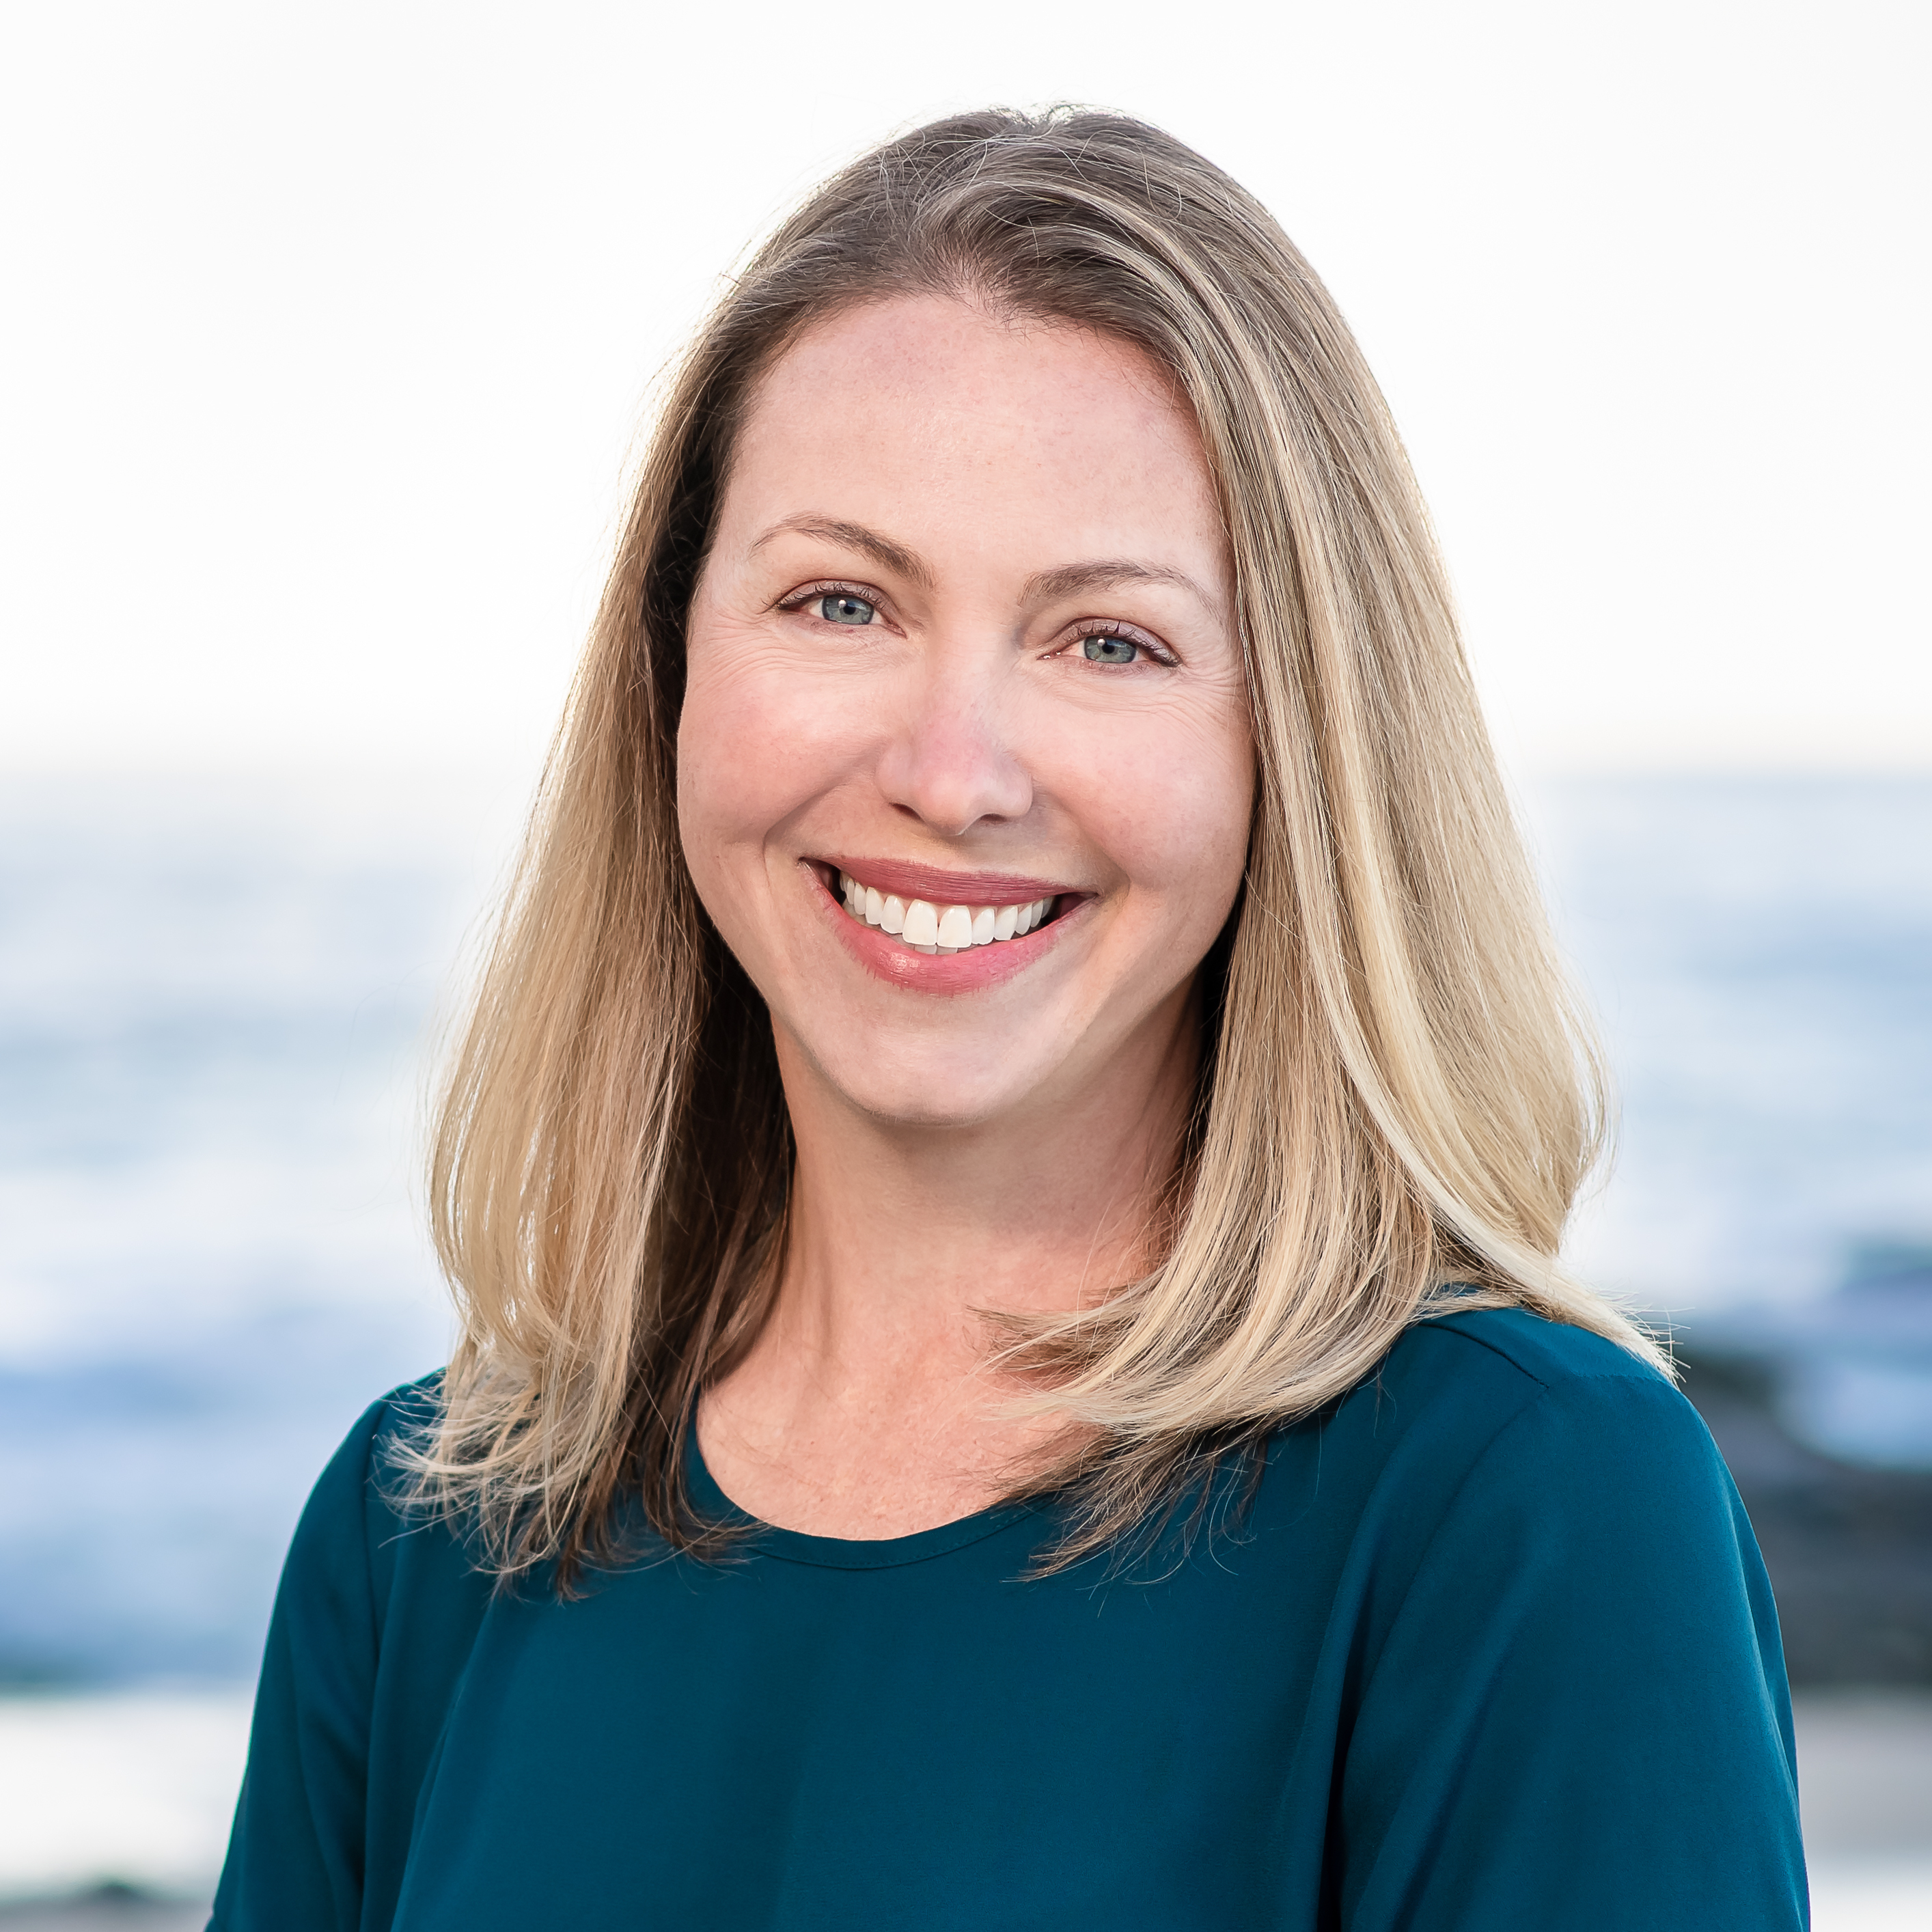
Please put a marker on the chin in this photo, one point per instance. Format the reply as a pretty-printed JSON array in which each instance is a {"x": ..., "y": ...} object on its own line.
[{"x": 933, "y": 1092}]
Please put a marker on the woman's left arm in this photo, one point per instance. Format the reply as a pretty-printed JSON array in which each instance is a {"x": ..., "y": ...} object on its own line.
[{"x": 1578, "y": 1718}]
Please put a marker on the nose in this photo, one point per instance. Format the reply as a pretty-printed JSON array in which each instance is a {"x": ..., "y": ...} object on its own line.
[{"x": 952, "y": 764}]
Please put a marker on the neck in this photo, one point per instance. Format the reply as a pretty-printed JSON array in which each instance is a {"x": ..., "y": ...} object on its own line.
[
  {"x": 901, "y": 1234},
  {"x": 902, "y": 1239}
]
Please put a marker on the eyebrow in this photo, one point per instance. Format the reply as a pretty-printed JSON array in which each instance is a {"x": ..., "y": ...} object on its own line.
[
  {"x": 1106, "y": 573},
  {"x": 883, "y": 551},
  {"x": 1069, "y": 579}
]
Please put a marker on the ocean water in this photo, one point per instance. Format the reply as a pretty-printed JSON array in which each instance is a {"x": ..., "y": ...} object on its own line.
[
  {"x": 218, "y": 1008},
  {"x": 216, "y": 1005},
  {"x": 1758, "y": 951}
]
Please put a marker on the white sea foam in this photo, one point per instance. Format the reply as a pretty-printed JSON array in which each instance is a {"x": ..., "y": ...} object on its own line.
[
  {"x": 136, "y": 1790},
  {"x": 1872, "y": 1895}
]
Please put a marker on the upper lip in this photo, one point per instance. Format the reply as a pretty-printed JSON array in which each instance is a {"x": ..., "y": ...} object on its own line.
[{"x": 937, "y": 887}]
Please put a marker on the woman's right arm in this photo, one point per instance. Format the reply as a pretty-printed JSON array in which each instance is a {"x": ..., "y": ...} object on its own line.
[
  {"x": 373, "y": 1630},
  {"x": 295, "y": 1858}
]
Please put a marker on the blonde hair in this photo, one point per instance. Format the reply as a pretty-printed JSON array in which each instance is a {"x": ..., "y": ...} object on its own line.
[{"x": 1398, "y": 1101}]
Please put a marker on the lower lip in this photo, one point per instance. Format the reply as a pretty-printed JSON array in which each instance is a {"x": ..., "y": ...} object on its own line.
[{"x": 888, "y": 959}]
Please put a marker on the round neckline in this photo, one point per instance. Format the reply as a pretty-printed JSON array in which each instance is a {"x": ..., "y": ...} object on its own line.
[{"x": 841, "y": 1553}]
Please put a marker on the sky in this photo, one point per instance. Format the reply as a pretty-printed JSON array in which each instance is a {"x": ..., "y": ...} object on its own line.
[{"x": 331, "y": 333}]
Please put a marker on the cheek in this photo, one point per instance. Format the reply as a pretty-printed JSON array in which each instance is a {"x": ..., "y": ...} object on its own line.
[
  {"x": 708, "y": 804},
  {"x": 1171, "y": 800},
  {"x": 750, "y": 751}
]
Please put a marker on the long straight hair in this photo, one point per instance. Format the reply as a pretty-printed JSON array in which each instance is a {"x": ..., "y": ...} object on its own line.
[{"x": 1399, "y": 1100}]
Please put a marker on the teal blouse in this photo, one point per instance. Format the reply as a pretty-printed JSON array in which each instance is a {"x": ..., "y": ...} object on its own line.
[{"x": 1490, "y": 1648}]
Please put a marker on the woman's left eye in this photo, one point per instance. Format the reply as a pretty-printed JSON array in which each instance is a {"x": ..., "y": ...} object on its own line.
[
  {"x": 1104, "y": 648},
  {"x": 840, "y": 607}
]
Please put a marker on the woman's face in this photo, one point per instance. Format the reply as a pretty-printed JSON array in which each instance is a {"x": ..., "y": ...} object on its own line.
[{"x": 964, "y": 768}]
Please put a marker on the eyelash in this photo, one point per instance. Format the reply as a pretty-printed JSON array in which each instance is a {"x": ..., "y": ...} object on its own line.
[{"x": 795, "y": 601}]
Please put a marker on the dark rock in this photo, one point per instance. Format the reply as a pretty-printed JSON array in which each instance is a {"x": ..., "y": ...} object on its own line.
[{"x": 1849, "y": 1549}]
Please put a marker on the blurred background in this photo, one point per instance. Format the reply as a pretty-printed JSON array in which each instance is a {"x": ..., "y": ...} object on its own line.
[{"x": 330, "y": 335}]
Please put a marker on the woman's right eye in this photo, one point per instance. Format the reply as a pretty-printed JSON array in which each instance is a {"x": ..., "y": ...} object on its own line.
[{"x": 840, "y": 607}]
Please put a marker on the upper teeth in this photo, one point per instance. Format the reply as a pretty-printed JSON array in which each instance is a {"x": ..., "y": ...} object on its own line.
[{"x": 927, "y": 928}]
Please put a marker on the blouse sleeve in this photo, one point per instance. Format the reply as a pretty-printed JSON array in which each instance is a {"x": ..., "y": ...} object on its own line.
[
  {"x": 295, "y": 1859},
  {"x": 1578, "y": 1717}
]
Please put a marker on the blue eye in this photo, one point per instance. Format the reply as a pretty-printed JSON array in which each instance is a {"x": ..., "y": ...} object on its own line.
[
  {"x": 839, "y": 608},
  {"x": 1110, "y": 650}
]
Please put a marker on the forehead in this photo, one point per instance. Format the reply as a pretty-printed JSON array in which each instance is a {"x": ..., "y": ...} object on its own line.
[
  {"x": 930, "y": 353},
  {"x": 908, "y": 408}
]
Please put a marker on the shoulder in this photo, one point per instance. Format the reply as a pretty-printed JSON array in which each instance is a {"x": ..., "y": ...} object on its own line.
[
  {"x": 1481, "y": 1375},
  {"x": 1512, "y": 1347},
  {"x": 359, "y": 1521},
  {"x": 1498, "y": 1466},
  {"x": 364, "y": 1470},
  {"x": 1500, "y": 1424},
  {"x": 1502, "y": 1410}
]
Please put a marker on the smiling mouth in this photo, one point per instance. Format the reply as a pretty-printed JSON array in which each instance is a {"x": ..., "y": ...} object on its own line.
[{"x": 923, "y": 925}]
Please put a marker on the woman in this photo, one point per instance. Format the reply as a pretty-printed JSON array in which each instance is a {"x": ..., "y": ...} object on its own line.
[{"x": 1005, "y": 1183}]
